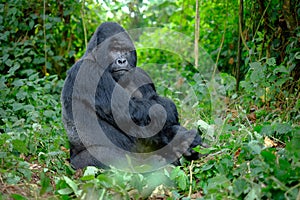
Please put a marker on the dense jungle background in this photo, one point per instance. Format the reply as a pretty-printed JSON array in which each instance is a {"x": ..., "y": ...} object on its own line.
[{"x": 235, "y": 78}]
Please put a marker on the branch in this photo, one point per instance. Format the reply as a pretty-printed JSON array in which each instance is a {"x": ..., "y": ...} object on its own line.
[{"x": 197, "y": 25}]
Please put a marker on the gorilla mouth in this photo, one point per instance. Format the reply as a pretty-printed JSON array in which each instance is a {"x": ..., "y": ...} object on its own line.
[{"x": 120, "y": 70}]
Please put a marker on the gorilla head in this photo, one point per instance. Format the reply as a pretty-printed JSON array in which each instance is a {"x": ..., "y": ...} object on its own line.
[{"x": 117, "y": 46}]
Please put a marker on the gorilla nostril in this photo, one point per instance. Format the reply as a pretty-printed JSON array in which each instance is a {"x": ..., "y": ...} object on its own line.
[{"x": 121, "y": 61}]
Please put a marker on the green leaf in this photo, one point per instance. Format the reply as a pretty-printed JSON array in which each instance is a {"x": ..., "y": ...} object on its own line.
[
  {"x": 240, "y": 186},
  {"x": 269, "y": 156},
  {"x": 216, "y": 182},
  {"x": 182, "y": 181},
  {"x": 12, "y": 178},
  {"x": 45, "y": 183},
  {"x": 282, "y": 128},
  {"x": 253, "y": 194},
  {"x": 257, "y": 74},
  {"x": 267, "y": 130},
  {"x": 180, "y": 177},
  {"x": 65, "y": 191},
  {"x": 9, "y": 62},
  {"x": 280, "y": 69},
  {"x": 12, "y": 70},
  {"x": 207, "y": 167},
  {"x": 49, "y": 113},
  {"x": 174, "y": 172},
  {"x": 224, "y": 166},
  {"x": 28, "y": 108},
  {"x": 72, "y": 185},
  {"x": 271, "y": 61},
  {"x": 20, "y": 146},
  {"x": 48, "y": 26},
  {"x": 18, "y": 197},
  {"x": 38, "y": 60},
  {"x": 87, "y": 178},
  {"x": 23, "y": 167},
  {"x": 105, "y": 180},
  {"x": 202, "y": 151},
  {"x": 31, "y": 24},
  {"x": 89, "y": 173},
  {"x": 21, "y": 95},
  {"x": 136, "y": 181},
  {"x": 255, "y": 147},
  {"x": 90, "y": 170},
  {"x": 293, "y": 146},
  {"x": 3, "y": 154},
  {"x": 5, "y": 57},
  {"x": 255, "y": 65},
  {"x": 18, "y": 83},
  {"x": 283, "y": 171},
  {"x": 297, "y": 55}
]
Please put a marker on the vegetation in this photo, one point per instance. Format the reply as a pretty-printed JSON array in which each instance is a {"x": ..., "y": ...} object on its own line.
[{"x": 248, "y": 109}]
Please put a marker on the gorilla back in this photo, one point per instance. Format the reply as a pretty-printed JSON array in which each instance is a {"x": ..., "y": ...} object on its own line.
[{"x": 112, "y": 113}]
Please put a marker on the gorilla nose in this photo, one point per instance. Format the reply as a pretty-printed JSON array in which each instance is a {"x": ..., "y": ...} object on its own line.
[{"x": 122, "y": 62}]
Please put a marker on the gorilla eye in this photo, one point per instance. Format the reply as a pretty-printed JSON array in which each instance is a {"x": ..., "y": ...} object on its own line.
[{"x": 115, "y": 53}]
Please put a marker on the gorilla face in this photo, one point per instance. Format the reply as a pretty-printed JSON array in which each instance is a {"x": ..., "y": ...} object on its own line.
[
  {"x": 123, "y": 57},
  {"x": 121, "y": 66}
]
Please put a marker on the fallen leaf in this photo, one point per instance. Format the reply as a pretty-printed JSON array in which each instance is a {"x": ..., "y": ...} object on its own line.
[
  {"x": 237, "y": 153},
  {"x": 269, "y": 142}
]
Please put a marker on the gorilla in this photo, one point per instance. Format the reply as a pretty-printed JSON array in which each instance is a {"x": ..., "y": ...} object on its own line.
[{"x": 112, "y": 113}]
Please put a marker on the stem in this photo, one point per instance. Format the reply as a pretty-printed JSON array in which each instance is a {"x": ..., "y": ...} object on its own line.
[
  {"x": 220, "y": 48},
  {"x": 261, "y": 19},
  {"x": 83, "y": 24},
  {"x": 45, "y": 39},
  {"x": 197, "y": 25},
  {"x": 239, "y": 56},
  {"x": 191, "y": 178}
]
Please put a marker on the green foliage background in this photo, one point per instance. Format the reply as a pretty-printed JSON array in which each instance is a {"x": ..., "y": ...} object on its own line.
[{"x": 254, "y": 141}]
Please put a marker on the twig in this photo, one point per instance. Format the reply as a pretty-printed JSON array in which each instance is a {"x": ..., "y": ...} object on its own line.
[
  {"x": 197, "y": 25},
  {"x": 243, "y": 39},
  {"x": 83, "y": 24},
  {"x": 239, "y": 56},
  {"x": 191, "y": 177},
  {"x": 214, "y": 154},
  {"x": 261, "y": 19},
  {"x": 221, "y": 45},
  {"x": 45, "y": 39},
  {"x": 291, "y": 105}
]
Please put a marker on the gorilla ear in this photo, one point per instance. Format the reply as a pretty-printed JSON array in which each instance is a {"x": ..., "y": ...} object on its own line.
[{"x": 133, "y": 58}]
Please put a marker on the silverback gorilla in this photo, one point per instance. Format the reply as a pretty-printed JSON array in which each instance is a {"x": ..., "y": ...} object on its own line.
[{"x": 112, "y": 113}]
